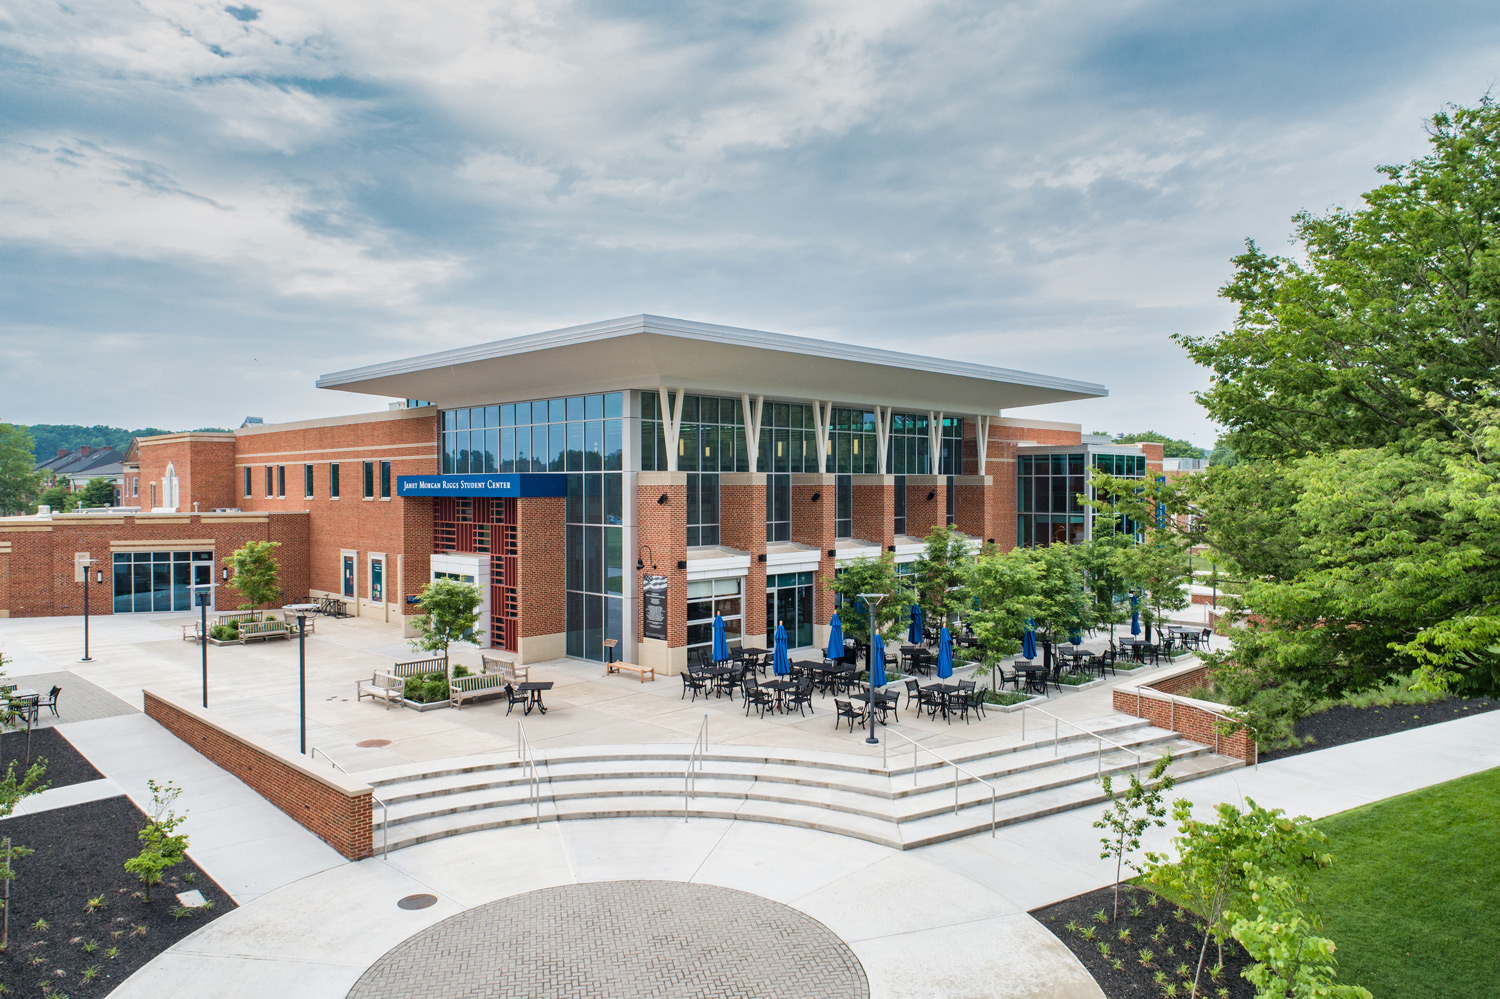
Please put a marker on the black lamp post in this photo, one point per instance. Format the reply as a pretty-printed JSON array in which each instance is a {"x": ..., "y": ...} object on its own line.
[
  {"x": 301, "y": 611},
  {"x": 872, "y": 601},
  {"x": 88, "y": 570},
  {"x": 203, "y": 593}
]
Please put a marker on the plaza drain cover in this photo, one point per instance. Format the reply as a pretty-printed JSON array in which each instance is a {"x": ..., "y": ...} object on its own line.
[
  {"x": 373, "y": 743},
  {"x": 417, "y": 901}
]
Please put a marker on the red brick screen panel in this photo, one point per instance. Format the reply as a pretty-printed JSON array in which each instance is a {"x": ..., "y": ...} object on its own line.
[
  {"x": 1192, "y": 719},
  {"x": 332, "y": 805}
]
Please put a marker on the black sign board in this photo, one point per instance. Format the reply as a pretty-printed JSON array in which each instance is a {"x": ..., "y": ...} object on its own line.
[{"x": 654, "y": 606}]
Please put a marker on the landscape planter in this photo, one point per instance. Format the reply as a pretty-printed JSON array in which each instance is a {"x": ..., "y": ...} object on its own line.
[{"x": 430, "y": 706}]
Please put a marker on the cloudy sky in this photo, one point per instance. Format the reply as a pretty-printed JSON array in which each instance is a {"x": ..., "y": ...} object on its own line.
[{"x": 203, "y": 207}]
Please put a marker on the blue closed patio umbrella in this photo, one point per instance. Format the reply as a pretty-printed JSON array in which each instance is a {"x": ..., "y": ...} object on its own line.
[
  {"x": 877, "y": 663},
  {"x": 1075, "y": 637},
  {"x": 1028, "y": 640},
  {"x": 1135, "y": 614},
  {"x": 914, "y": 633},
  {"x": 780, "y": 664},
  {"x": 835, "y": 648},
  {"x": 945, "y": 655},
  {"x": 721, "y": 643}
]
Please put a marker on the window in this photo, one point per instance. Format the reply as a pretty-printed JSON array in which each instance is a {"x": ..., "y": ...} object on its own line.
[
  {"x": 377, "y": 580},
  {"x": 269, "y": 492},
  {"x": 369, "y": 480},
  {"x": 778, "y": 507},
  {"x": 281, "y": 481},
  {"x": 307, "y": 481},
  {"x": 333, "y": 480},
  {"x": 153, "y": 495},
  {"x": 247, "y": 482},
  {"x": 900, "y": 505},
  {"x": 385, "y": 480},
  {"x": 843, "y": 511},
  {"x": 702, "y": 508},
  {"x": 705, "y": 598}
]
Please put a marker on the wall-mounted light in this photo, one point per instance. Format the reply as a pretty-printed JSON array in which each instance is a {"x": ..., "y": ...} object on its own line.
[
  {"x": 832, "y": 553},
  {"x": 662, "y": 499},
  {"x": 761, "y": 557},
  {"x": 890, "y": 548},
  {"x": 931, "y": 494},
  {"x": 640, "y": 564},
  {"x": 682, "y": 563},
  {"x": 226, "y": 573},
  {"x": 681, "y": 447},
  {"x": 814, "y": 497}
]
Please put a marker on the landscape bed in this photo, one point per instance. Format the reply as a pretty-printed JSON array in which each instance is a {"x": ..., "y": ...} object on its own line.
[
  {"x": 65, "y": 765},
  {"x": 83, "y": 950},
  {"x": 1345, "y": 723}
]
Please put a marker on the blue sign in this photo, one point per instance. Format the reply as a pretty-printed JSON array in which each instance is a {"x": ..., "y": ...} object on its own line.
[{"x": 509, "y": 484}]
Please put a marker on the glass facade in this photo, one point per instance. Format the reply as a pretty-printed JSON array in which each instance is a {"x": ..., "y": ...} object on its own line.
[
  {"x": 789, "y": 602},
  {"x": 1050, "y": 490},
  {"x": 158, "y": 581},
  {"x": 705, "y": 598},
  {"x": 582, "y": 436}
]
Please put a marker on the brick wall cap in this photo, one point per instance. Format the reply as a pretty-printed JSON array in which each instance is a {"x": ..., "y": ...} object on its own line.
[
  {"x": 336, "y": 779},
  {"x": 1147, "y": 688}
]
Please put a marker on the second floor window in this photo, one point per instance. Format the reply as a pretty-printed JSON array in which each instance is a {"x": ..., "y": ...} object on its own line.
[
  {"x": 333, "y": 480},
  {"x": 269, "y": 491},
  {"x": 385, "y": 480},
  {"x": 247, "y": 481},
  {"x": 369, "y": 480},
  {"x": 281, "y": 481},
  {"x": 702, "y": 508},
  {"x": 307, "y": 481}
]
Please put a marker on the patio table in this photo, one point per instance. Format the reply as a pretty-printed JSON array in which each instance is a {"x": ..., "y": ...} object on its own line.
[
  {"x": 780, "y": 688},
  {"x": 533, "y": 692},
  {"x": 24, "y": 701}
]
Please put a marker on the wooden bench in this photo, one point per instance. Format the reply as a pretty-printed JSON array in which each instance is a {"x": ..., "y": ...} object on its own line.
[
  {"x": 257, "y": 631},
  {"x": 240, "y": 616},
  {"x": 190, "y": 632},
  {"x": 419, "y": 667},
  {"x": 475, "y": 685},
  {"x": 505, "y": 668},
  {"x": 381, "y": 686},
  {"x": 644, "y": 672}
]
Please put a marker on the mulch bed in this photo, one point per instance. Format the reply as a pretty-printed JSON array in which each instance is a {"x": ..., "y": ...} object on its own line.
[
  {"x": 79, "y": 855},
  {"x": 1343, "y": 724},
  {"x": 1171, "y": 935},
  {"x": 65, "y": 765}
]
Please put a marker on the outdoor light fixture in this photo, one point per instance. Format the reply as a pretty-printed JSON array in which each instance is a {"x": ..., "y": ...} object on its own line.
[
  {"x": 640, "y": 564},
  {"x": 682, "y": 563},
  {"x": 872, "y": 601},
  {"x": 931, "y": 495},
  {"x": 815, "y": 496},
  {"x": 226, "y": 574},
  {"x": 761, "y": 557},
  {"x": 661, "y": 500}
]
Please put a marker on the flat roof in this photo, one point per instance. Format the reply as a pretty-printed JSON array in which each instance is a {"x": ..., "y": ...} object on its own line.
[{"x": 645, "y": 352}]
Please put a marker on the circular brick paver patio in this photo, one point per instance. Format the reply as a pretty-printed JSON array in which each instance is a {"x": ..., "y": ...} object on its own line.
[{"x": 658, "y": 939}]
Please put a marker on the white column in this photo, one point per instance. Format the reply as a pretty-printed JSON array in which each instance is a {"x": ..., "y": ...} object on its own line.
[
  {"x": 752, "y": 426},
  {"x": 882, "y": 436},
  {"x": 935, "y": 438},
  {"x": 982, "y": 428},
  {"x": 821, "y": 426},
  {"x": 671, "y": 424}
]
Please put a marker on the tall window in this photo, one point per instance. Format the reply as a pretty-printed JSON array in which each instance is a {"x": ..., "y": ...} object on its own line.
[
  {"x": 269, "y": 491},
  {"x": 385, "y": 480},
  {"x": 778, "y": 506},
  {"x": 247, "y": 481},
  {"x": 707, "y": 597},
  {"x": 909, "y": 445},
  {"x": 702, "y": 508},
  {"x": 333, "y": 480},
  {"x": 900, "y": 505},
  {"x": 307, "y": 481},
  {"x": 711, "y": 440},
  {"x": 1049, "y": 502},
  {"x": 1128, "y": 466},
  {"x": 369, "y": 480},
  {"x": 843, "y": 509},
  {"x": 281, "y": 481}
]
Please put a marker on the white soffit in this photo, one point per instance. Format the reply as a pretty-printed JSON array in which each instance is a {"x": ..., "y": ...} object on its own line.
[{"x": 644, "y": 352}]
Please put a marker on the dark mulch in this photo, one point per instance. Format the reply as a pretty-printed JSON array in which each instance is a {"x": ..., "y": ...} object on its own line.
[
  {"x": 1171, "y": 935},
  {"x": 65, "y": 765},
  {"x": 1344, "y": 724},
  {"x": 79, "y": 853}
]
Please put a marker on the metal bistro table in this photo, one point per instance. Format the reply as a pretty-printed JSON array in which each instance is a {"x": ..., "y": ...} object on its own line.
[
  {"x": 533, "y": 692},
  {"x": 26, "y": 702}
]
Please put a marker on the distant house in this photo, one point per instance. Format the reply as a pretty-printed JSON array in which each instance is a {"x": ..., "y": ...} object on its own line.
[{"x": 74, "y": 469}]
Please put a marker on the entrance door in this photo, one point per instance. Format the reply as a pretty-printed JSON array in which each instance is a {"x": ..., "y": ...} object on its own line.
[
  {"x": 789, "y": 602},
  {"x": 203, "y": 582},
  {"x": 349, "y": 576}
]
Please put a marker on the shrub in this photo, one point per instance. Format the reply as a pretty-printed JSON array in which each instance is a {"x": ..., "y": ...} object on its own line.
[
  {"x": 162, "y": 847},
  {"x": 224, "y": 633},
  {"x": 428, "y": 688}
]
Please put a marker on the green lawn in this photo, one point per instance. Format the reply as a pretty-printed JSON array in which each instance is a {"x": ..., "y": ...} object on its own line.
[{"x": 1413, "y": 897}]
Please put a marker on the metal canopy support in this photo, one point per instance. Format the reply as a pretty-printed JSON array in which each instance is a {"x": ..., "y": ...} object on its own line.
[
  {"x": 752, "y": 427},
  {"x": 883, "y": 420},
  {"x": 671, "y": 424},
  {"x": 935, "y": 438},
  {"x": 822, "y": 424},
  {"x": 982, "y": 440}
]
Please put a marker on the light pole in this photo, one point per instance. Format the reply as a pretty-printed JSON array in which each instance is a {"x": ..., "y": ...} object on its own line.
[
  {"x": 87, "y": 571},
  {"x": 301, "y": 611},
  {"x": 203, "y": 593},
  {"x": 872, "y": 601}
]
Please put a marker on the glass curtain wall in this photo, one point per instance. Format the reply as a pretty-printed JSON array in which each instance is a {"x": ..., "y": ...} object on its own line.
[
  {"x": 1049, "y": 489},
  {"x": 788, "y": 445},
  {"x": 155, "y": 581},
  {"x": 1126, "y": 466},
  {"x": 711, "y": 440},
  {"x": 705, "y": 597},
  {"x": 583, "y": 437}
]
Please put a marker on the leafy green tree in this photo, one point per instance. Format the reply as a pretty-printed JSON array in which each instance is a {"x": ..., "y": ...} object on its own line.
[
  {"x": 1060, "y": 604},
  {"x": 1172, "y": 447},
  {"x": 1293, "y": 960},
  {"x": 1004, "y": 585},
  {"x": 1158, "y": 565},
  {"x": 97, "y": 492},
  {"x": 1107, "y": 591},
  {"x": 1129, "y": 814},
  {"x": 162, "y": 846},
  {"x": 15, "y": 786},
  {"x": 58, "y": 497},
  {"x": 450, "y": 610},
  {"x": 872, "y": 575},
  {"x": 19, "y": 480},
  {"x": 942, "y": 574},
  {"x": 1246, "y": 513},
  {"x": 254, "y": 573}
]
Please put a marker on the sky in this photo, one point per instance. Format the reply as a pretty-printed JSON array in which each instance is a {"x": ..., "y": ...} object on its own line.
[{"x": 203, "y": 207}]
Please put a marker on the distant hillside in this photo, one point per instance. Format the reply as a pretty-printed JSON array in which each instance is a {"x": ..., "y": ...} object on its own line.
[{"x": 51, "y": 436}]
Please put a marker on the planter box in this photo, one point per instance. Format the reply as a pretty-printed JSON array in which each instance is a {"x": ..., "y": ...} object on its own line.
[
  {"x": 1083, "y": 686},
  {"x": 1014, "y": 707},
  {"x": 419, "y": 706}
]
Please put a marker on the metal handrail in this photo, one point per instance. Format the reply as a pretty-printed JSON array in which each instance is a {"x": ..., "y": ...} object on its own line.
[
  {"x": 1099, "y": 749},
  {"x": 1172, "y": 699},
  {"x": 528, "y": 765},
  {"x": 915, "y": 746},
  {"x": 385, "y": 809},
  {"x": 695, "y": 763}
]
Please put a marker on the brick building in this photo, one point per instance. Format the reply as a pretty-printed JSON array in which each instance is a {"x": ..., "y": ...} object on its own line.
[{"x": 622, "y": 480}]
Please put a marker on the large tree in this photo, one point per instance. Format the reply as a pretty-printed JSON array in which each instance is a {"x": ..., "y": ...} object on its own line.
[
  {"x": 1171, "y": 447},
  {"x": 19, "y": 480}
]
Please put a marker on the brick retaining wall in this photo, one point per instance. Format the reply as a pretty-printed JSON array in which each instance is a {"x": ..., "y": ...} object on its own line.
[
  {"x": 1185, "y": 717},
  {"x": 332, "y": 805}
]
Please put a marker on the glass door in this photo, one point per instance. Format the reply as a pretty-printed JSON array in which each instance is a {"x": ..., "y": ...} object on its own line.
[
  {"x": 349, "y": 576},
  {"x": 789, "y": 602},
  {"x": 203, "y": 583}
]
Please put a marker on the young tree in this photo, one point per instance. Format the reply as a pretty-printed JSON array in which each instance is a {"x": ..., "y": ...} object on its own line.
[
  {"x": 1130, "y": 813},
  {"x": 162, "y": 846},
  {"x": 943, "y": 565},
  {"x": 872, "y": 575},
  {"x": 1059, "y": 604},
  {"x": 58, "y": 497},
  {"x": 14, "y": 787},
  {"x": 98, "y": 492},
  {"x": 1285, "y": 940},
  {"x": 254, "y": 573},
  {"x": 1004, "y": 585},
  {"x": 450, "y": 610},
  {"x": 19, "y": 480}
]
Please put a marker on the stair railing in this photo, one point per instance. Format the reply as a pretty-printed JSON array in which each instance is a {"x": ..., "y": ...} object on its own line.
[
  {"x": 385, "y": 810},
  {"x": 1099, "y": 745},
  {"x": 528, "y": 766},
  {"x": 694, "y": 764},
  {"x": 957, "y": 770},
  {"x": 1172, "y": 699}
]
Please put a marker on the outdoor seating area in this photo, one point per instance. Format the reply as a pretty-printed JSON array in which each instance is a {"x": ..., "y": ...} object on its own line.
[{"x": 25, "y": 704}]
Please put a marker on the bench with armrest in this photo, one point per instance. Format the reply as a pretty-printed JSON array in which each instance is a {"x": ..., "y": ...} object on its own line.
[
  {"x": 255, "y": 631},
  {"x": 190, "y": 632},
  {"x": 644, "y": 672},
  {"x": 419, "y": 667},
  {"x": 381, "y": 686},
  {"x": 505, "y": 668},
  {"x": 475, "y": 685}
]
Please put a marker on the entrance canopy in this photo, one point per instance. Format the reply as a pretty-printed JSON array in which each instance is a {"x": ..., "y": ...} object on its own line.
[{"x": 647, "y": 352}]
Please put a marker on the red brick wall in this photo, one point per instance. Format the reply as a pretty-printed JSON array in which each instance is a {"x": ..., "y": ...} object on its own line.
[
  {"x": 1153, "y": 453},
  {"x": 973, "y": 512},
  {"x": 1191, "y": 722},
  {"x": 742, "y": 525},
  {"x": 662, "y": 536},
  {"x": 204, "y": 464},
  {"x": 541, "y": 566},
  {"x": 36, "y": 575},
  {"x": 340, "y": 817},
  {"x": 1002, "y": 496},
  {"x": 923, "y": 514},
  {"x": 875, "y": 509},
  {"x": 812, "y": 524},
  {"x": 1035, "y": 435}
]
